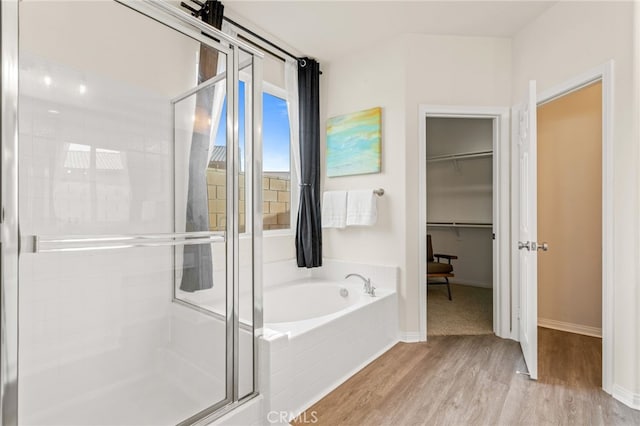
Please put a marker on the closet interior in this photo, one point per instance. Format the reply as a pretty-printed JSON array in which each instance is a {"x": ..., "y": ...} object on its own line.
[{"x": 460, "y": 185}]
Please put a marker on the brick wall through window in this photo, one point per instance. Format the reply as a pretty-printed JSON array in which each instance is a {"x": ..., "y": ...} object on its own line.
[{"x": 276, "y": 197}]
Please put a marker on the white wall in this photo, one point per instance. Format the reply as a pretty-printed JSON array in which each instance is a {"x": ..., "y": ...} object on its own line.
[
  {"x": 398, "y": 76},
  {"x": 370, "y": 78},
  {"x": 442, "y": 70},
  {"x": 567, "y": 40}
]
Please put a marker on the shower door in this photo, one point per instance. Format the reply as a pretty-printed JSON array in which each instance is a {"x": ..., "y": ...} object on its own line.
[{"x": 137, "y": 192}]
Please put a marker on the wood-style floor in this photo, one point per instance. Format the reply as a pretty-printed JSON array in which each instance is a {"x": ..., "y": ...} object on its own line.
[{"x": 472, "y": 380}]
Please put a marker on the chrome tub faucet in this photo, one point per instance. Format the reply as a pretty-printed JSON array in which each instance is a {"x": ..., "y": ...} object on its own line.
[{"x": 368, "y": 288}]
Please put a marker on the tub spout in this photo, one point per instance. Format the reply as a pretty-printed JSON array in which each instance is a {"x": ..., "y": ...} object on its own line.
[{"x": 368, "y": 288}]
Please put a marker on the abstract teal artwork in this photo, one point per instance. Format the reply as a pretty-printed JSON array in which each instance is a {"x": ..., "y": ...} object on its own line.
[{"x": 354, "y": 143}]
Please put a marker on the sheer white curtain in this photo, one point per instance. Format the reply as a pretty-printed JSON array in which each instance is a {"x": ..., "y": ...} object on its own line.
[
  {"x": 219, "y": 92},
  {"x": 291, "y": 86}
]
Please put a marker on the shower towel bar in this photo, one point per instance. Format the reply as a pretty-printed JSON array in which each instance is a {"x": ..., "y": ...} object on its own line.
[{"x": 42, "y": 244}]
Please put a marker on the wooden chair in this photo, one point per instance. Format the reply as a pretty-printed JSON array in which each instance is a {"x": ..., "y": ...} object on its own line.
[{"x": 437, "y": 269}]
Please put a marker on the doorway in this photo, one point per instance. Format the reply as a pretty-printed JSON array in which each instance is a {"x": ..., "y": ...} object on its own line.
[
  {"x": 459, "y": 225},
  {"x": 569, "y": 153},
  {"x": 525, "y": 243},
  {"x": 464, "y": 150}
]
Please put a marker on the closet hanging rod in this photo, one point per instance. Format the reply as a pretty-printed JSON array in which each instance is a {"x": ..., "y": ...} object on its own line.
[
  {"x": 459, "y": 225},
  {"x": 476, "y": 154}
]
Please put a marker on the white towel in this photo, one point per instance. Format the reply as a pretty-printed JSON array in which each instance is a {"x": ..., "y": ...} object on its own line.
[
  {"x": 361, "y": 208},
  {"x": 334, "y": 209}
]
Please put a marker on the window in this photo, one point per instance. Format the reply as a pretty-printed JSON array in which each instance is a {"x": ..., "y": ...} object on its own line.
[
  {"x": 276, "y": 159},
  {"x": 276, "y": 164}
]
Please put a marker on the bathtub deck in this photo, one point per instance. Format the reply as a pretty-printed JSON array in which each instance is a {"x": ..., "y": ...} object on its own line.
[{"x": 465, "y": 380}]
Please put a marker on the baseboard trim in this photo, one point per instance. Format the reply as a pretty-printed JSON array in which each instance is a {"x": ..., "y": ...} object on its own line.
[
  {"x": 410, "y": 337},
  {"x": 626, "y": 397},
  {"x": 569, "y": 327}
]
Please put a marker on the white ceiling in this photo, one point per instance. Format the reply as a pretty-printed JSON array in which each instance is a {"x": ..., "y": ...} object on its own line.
[{"x": 330, "y": 29}]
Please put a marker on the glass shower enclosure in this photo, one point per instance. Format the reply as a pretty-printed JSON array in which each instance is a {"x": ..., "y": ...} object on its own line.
[{"x": 131, "y": 215}]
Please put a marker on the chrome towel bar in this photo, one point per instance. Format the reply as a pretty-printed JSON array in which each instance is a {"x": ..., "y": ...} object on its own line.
[{"x": 50, "y": 244}]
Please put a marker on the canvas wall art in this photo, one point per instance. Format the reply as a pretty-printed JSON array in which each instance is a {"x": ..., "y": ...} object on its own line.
[{"x": 354, "y": 143}]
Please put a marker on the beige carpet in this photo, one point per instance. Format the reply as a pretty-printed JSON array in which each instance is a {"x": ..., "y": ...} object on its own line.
[{"x": 470, "y": 312}]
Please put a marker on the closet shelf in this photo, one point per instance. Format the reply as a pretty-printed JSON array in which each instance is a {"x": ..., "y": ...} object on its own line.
[
  {"x": 459, "y": 225},
  {"x": 462, "y": 156}
]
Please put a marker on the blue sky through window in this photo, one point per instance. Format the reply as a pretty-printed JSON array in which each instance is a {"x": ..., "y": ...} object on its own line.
[{"x": 275, "y": 131}]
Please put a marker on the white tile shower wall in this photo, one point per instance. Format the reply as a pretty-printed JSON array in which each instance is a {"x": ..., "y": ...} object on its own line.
[
  {"x": 109, "y": 174},
  {"x": 88, "y": 322},
  {"x": 195, "y": 357},
  {"x": 250, "y": 413},
  {"x": 100, "y": 163}
]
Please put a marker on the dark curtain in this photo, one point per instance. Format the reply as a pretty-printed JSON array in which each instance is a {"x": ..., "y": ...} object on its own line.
[
  {"x": 198, "y": 263},
  {"x": 309, "y": 231}
]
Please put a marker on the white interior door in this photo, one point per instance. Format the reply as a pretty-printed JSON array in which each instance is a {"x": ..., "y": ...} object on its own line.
[{"x": 527, "y": 232}]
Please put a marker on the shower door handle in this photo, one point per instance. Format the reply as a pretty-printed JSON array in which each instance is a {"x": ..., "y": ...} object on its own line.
[{"x": 48, "y": 244}]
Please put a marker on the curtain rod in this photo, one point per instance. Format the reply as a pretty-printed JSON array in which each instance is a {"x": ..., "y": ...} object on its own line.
[
  {"x": 259, "y": 37},
  {"x": 261, "y": 47},
  {"x": 197, "y": 13},
  {"x": 270, "y": 43}
]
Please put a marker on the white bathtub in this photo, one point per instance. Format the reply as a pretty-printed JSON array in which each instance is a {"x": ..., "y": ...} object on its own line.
[
  {"x": 315, "y": 338},
  {"x": 301, "y": 305},
  {"x": 306, "y": 299}
]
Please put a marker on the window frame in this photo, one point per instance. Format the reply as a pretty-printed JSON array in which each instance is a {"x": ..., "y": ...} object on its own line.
[{"x": 281, "y": 93}]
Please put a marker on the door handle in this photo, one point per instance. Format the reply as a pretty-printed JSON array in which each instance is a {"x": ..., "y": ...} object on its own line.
[
  {"x": 532, "y": 246},
  {"x": 543, "y": 246}
]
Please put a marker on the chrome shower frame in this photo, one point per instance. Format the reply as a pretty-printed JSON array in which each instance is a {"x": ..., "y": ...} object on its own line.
[{"x": 10, "y": 239}]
